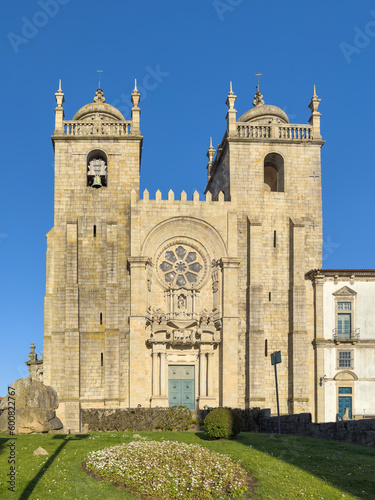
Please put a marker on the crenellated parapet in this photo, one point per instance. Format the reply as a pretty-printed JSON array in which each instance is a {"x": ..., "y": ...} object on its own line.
[{"x": 183, "y": 198}]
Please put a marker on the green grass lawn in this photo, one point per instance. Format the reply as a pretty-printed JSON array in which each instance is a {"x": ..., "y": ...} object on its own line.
[{"x": 285, "y": 467}]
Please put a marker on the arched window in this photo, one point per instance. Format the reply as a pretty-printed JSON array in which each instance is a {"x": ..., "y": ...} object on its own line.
[
  {"x": 274, "y": 173},
  {"x": 97, "y": 169}
]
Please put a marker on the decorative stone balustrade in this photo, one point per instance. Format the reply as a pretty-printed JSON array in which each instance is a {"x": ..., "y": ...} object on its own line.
[
  {"x": 282, "y": 132},
  {"x": 96, "y": 128},
  {"x": 301, "y": 132},
  {"x": 254, "y": 131}
]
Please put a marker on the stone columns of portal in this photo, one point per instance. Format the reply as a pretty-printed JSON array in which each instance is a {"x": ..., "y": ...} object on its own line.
[
  {"x": 206, "y": 373},
  {"x": 140, "y": 387},
  {"x": 159, "y": 377},
  {"x": 298, "y": 348},
  {"x": 319, "y": 344},
  {"x": 155, "y": 374},
  {"x": 202, "y": 374},
  {"x": 229, "y": 343},
  {"x": 256, "y": 364}
]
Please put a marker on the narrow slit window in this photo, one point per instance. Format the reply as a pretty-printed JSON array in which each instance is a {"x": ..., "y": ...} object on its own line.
[
  {"x": 94, "y": 231},
  {"x": 274, "y": 239},
  {"x": 266, "y": 347},
  {"x": 101, "y": 359},
  {"x": 269, "y": 296},
  {"x": 101, "y": 318}
]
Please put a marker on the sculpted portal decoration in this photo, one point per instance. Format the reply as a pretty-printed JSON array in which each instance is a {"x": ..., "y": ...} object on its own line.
[
  {"x": 184, "y": 330},
  {"x": 182, "y": 268}
]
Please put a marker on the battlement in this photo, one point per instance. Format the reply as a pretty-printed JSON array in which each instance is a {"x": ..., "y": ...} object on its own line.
[{"x": 183, "y": 197}]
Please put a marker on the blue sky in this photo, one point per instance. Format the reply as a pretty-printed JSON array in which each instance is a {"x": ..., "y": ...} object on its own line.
[{"x": 195, "y": 48}]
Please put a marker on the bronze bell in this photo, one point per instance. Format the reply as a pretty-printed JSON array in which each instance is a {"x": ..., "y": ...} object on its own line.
[{"x": 97, "y": 183}]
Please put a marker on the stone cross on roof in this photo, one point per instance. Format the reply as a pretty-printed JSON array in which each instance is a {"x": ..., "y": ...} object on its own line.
[
  {"x": 258, "y": 86},
  {"x": 99, "y": 71}
]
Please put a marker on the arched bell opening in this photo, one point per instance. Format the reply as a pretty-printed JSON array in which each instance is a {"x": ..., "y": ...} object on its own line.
[
  {"x": 97, "y": 169},
  {"x": 274, "y": 173}
]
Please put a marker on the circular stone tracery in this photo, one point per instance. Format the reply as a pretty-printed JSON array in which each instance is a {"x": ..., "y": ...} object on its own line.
[{"x": 181, "y": 265}]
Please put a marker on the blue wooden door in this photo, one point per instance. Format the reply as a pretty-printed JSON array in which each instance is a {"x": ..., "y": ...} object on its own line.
[
  {"x": 345, "y": 401},
  {"x": 181, "y": 386}
]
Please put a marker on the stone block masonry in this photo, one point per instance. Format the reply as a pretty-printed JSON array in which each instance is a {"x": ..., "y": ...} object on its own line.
[{"x": 163, "y": 302}]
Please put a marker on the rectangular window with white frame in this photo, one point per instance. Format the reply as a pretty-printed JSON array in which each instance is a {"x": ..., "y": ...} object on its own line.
[{"x": 345, "y": 360}]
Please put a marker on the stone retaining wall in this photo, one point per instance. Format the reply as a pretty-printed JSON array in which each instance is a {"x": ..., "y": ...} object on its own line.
[{"x": 361, "y": 432}]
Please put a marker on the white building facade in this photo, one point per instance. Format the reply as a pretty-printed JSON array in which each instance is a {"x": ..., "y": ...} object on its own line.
[{"x": 344, "y": 343}]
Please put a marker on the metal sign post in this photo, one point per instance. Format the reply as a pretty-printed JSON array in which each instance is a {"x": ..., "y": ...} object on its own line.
[{"x": 275, "y": 360}]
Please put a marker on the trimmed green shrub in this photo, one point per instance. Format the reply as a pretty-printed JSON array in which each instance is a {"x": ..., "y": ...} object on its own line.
[
  {"x": 222, "y": 423},
  {"x": 137, "y": 419}
]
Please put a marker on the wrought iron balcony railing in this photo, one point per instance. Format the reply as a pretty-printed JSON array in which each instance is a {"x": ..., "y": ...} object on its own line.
[{"x": 340, "y": 335}]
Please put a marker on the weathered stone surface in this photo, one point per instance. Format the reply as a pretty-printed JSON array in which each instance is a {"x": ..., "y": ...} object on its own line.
[
  {"x": 136, "y": 286},
  {"x": 35, "y": 406},
  {"x": 40, "y": 451}
]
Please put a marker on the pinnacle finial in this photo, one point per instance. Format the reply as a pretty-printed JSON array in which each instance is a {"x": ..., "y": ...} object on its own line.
[
  {"x": 135, "y": 95},
  {"x": 258, "y": 99},
  {"x": 60, "y": 90},
  {"x": 314, "y": 119},
  {"x": 210, "y": 154},
  {"x": 99, "y": 96},
  {"x": 32, "y": 354},
  {"x": 231, "y": 98}
]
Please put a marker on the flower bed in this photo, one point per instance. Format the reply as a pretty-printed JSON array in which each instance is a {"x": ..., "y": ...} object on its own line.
[{"x": 169, "y": 469}]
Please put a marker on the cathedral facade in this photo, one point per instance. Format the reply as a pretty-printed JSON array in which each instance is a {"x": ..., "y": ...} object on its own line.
[{"x": 172, "y": 301}]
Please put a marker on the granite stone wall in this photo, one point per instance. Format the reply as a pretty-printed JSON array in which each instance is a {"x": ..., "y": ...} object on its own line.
[{"x": 360, "y": 432}]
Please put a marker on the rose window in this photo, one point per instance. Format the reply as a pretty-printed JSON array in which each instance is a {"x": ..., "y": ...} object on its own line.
[{"x": 181, "y": 266}]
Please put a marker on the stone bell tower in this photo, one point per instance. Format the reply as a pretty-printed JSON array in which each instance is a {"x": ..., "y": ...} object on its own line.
[
  {"x": 97, "y": 165},
  {"x": 271, "y": 168}
]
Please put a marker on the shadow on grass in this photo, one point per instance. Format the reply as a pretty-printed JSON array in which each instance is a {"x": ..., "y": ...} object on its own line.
[
  {"x": 331, "y": 461},
  {"x": 202, "y": 435},
  {"x": 2, "y": 444},
  {"x": 65, "y": 440},
  {"x": 346, "y": 467}
]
